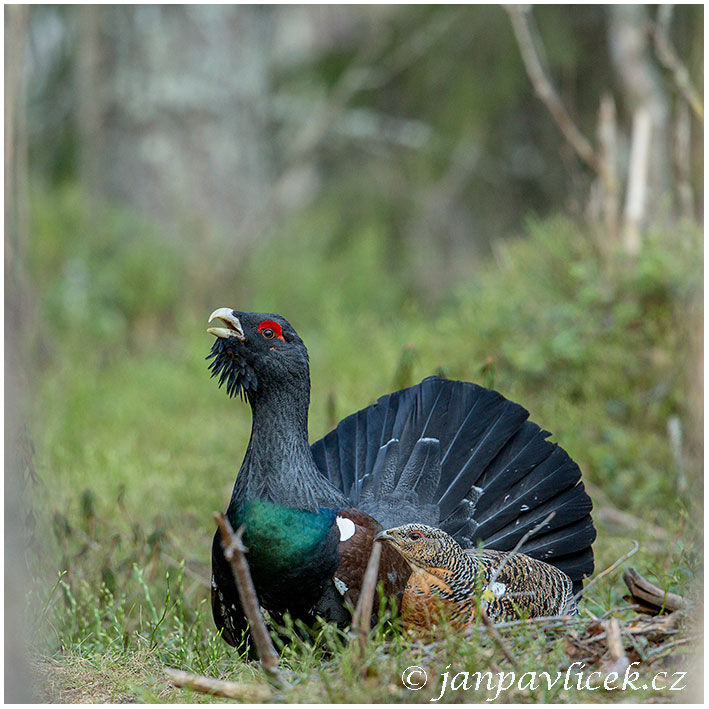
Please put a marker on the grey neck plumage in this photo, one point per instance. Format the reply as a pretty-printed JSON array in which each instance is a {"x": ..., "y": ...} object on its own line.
[{"x": 278, "y": 466}]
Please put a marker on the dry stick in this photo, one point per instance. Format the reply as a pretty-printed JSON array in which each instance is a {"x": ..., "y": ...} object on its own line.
[
  {"x": 662, "y": 648},
  {"x": 363, "y": 611},
  {"x": 619, "y": 660},
  {"x": 612, "y": 567},
  {"x": 559, "y": 621},
  {"x": 630, "y": 607},
  {"x": 483, "y": 614},
  {"x": 234, "y": 550},
  {"x": 519, "y": 544},
  {"x": 641, "y": 588},
  {"x": 524, "y": 30},
  {"x": 498, "y": 638},
  {"x": 208, "y": 685}
]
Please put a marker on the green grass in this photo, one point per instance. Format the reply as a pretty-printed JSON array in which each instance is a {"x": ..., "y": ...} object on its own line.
[{"x": 135, "y": 447}]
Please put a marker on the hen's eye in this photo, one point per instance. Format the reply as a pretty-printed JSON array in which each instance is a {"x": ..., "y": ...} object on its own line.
[
  {"x": 268, "y": 333},
  {"x": 415, "y": 535}
]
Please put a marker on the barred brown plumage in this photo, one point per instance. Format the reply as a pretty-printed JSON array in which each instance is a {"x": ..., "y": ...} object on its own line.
[{"x": 450, "y": 582}]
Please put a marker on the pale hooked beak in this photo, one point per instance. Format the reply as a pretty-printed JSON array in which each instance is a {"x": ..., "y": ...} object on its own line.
[
  {"x": 383, "y": 536},
  {"x": 233, "y": 326}
]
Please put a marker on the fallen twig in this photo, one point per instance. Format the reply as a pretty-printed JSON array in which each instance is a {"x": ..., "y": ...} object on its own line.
[
  {"x": 605, "y": 572},
  {"x": 498, "y": 638},
  {"x": 234, "y": 551},
  {"x": 361, "y": 619},
  {"x": 658, "y": 650},
  {"x": 618, "y": 659},
  {"x": 251, "y": 693},
  {"x": 651, "y": 595}
]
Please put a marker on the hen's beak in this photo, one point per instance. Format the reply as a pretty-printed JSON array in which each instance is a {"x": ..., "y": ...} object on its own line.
[
  {"x": 233, "y": 326},
  {"x": 384, "y": 536}
]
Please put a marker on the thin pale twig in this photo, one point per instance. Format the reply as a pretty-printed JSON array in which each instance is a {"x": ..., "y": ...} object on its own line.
[
  {"x": 250, "y": 693},
  {"x": 662, "y": 648},
  {"x": 498, "y": 638},
  {"x": 605, "y": 572},
  {"x": 363, "y": 612},
  {"x": 519, "y": 544}
]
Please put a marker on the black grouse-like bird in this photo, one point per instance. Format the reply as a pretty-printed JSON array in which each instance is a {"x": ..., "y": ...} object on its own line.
[{"x": 448, "y": 454}]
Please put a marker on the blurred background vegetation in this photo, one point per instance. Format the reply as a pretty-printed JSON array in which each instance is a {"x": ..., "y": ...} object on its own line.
[{"x": 400, "y": 184}]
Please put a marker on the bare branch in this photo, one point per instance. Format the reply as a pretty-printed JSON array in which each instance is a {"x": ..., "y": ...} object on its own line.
[
  {"x": 249, "y": 693},
  {"x": 518, "y": 546},
  {"x": 363, "y": 612},
  {"x": 612, "y": 567},
  {"x": 618, "y": 659},
  {"x": 498, "y": 638},
  {"x": 525, "y": 31},
  {"x": 648, "y": 593},
  {"x": 234, "y": 551},
  {"x": 680, "y": 74}
]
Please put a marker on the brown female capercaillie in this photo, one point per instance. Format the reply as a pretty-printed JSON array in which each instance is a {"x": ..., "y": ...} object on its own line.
[{"x": 449, "y": 582}]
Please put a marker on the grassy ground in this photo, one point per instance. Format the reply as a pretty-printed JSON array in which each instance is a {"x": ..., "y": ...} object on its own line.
[{"x": 135, "y": 447}]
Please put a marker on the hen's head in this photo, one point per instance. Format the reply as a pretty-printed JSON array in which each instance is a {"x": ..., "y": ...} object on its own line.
[
  {"x": 422, "y": 546},
  {"x": 254, "y": 351}
]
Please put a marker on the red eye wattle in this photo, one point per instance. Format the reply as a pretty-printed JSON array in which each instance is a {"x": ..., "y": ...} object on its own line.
[
  {"x": 270, "y": 329},
  {"x": 415, "y": 534}
]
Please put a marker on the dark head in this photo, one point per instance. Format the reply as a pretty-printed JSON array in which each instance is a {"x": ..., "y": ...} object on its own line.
[
  {"x": 256, "y": 351},
  {"x": 421, "y": 546}
]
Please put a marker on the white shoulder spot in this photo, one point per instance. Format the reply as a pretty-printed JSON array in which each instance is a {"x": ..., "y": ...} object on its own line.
[
  {"x": 341, "y": 586},
  {"x": 498, "y": 588},
  {"x": 347, "y": 528}
]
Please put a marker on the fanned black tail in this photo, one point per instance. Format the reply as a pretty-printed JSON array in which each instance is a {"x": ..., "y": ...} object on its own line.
[{"x": 463, "y": 458}]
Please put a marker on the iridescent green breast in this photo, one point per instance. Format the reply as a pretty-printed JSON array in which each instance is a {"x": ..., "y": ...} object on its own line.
[{"x": 280, "y": 538}]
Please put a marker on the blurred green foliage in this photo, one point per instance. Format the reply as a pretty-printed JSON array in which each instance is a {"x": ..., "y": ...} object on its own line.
[
  {"x": 594, "y": 347},
  {"x": 104, "y": 275}
]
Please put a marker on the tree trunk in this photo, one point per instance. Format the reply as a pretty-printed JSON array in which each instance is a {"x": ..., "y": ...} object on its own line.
[
  {"x": 173, "y": 115},
  {"x": 644, "y": 95},
  {"x": 17, "y": 670}
]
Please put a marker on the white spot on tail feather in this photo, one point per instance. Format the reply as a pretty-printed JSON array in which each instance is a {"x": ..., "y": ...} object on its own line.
[{"x": 347, "y": 528}]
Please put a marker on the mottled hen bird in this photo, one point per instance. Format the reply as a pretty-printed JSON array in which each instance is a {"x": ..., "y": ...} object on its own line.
[
  {"x": 448, "y": 581},
  {"x": 443, "y": 453}
]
